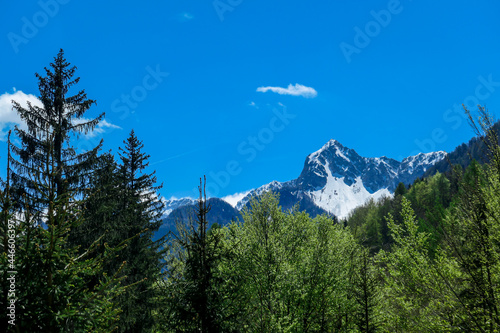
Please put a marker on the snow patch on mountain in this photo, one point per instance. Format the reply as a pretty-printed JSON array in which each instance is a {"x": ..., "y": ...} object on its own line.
[
  {"x": 174, "y": 203},
  {"x": 339, "y": 198},
  {"x": 233, "y": 199},
  {"x": 272, "y": 186}
]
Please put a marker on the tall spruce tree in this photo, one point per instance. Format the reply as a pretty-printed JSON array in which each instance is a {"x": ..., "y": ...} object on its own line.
[
  {"x": 138, "y": 217},
  {"x": 52, "y": 293},
  {"x": 46, "y": 141}
]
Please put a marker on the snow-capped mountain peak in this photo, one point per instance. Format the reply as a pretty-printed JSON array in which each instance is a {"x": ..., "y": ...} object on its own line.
[
  {"x": 337, "y": 179},
  {"x": 332, "y": 147}
]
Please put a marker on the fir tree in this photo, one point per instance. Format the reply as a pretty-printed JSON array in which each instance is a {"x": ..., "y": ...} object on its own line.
[
  {"x": 46, "y": 142},
  {"x": 137, "y": 217},
  {"x": 52, "y": 291}
]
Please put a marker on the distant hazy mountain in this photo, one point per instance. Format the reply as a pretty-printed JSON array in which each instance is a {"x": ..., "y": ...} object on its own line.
[{"x": 220, "y": 212}]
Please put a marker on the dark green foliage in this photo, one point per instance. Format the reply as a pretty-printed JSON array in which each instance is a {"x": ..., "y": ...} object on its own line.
[
  {"x": 52, "y": 277},
  {"x": 400, "y": 190},
  {"x": 46, "y": 141},
  {"x": 463, "y": 155},
  {"x": 193, "y": 288},
  {"x": 366, "y": 291},
  {"x": 122, "y": 206},
  {"x": 132, "y": 210},
  {"x": 369, "y": 225}
]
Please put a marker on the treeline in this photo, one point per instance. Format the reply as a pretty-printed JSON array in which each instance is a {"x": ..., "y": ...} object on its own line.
[{"x": 78, "y": 252}]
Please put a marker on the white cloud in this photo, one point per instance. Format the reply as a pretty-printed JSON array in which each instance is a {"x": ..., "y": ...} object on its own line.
[
  {"x": 99, "y": 129},
  {"x": 9, "y": 117},
  {"x": 184, "y": 17},
  {"x": 253, "y": 104},
  {"x": 233, "y": 199},
  {"x": 294, "y": 90}
]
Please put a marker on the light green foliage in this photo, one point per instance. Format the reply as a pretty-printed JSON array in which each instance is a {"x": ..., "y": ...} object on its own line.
[
  {"x": 416, "y": 297},
  {"x": 430, "y": 198},
  {"x": 294, "y": 271},
  {"x": 472, "y": 237}
]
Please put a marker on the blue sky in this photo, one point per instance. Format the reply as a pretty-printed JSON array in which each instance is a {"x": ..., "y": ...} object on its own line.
[{"x": 243, "y": 91}]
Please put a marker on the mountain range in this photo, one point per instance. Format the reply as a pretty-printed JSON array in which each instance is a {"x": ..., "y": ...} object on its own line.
[{"x": 334, "y": 180}]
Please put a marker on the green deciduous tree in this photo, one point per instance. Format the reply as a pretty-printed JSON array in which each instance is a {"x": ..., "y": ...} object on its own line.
[
  {"x": 416, "y": 292},
  {"x": 472, "y": 235},
  {"x": 292, "y": 271}
]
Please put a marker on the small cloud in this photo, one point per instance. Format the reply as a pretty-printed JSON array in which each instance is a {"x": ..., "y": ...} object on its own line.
[
  {"x": 293, "y": 90},
  {"x": 99, "y": 129},
  {"x": 252, "y": 104},
  {"x": 233, "y": 199},
  {"x": 185, "y": 17}
]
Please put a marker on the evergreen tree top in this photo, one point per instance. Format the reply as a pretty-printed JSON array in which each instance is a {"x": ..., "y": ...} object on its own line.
[{"x": 46, "y": 156}]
